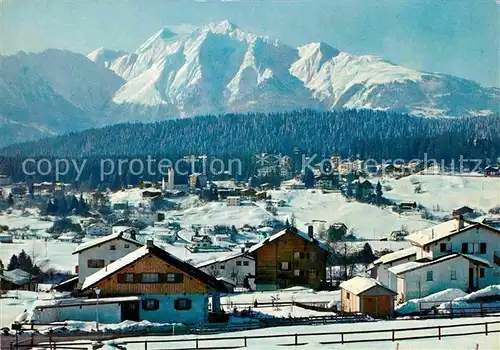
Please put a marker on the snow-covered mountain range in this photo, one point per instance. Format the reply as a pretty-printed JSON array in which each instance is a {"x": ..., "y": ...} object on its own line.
[{"x": 218, "y": 68}]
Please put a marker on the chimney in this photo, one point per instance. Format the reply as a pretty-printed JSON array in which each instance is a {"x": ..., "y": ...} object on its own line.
[
  {"x": 133, "y": 234},
  {"x": 461, "y": 222},
  {"x": 310, "y": 231},
  {"x": 242, "y": 248},
  {"x": 149, "y": 242}
]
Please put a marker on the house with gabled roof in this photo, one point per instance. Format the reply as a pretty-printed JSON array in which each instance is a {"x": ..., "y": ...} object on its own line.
[
  {"x": 367, "y": 296},
  {"x": 454, "y": 254},
  {"x": 168, "y": 288},
  {"x": 380, "y": 267},
  {"x": 97, "y": 253},
  {"x": 290, "y": 258},
  {"x": 235, "y": 267}
]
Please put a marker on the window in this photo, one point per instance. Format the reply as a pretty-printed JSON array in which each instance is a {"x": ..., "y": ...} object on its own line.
[
  {"x": 238, "y": 263},
  {"x": 348, "y": 295},
  {"x": 182, "y": 304},
  {"x": 465, "y": 248},
  {"x": 453, "y": 275},
  {"x": 312, "y": 273},
  {"x": 296, "y": 273},
  {"x": 430, "y": 276},
  {"x": 127, "y": 246},
  {"x": 246, "y": 263},
  {"x": 312, "y": 256},
  {"x": 172, "y": 277},
  {"x": 298, "y": 255},
  {"x": 150, "y": 278},
  {"x": 95, "y": 263},
  {"x": 150, "y": 304},
  {"x": 482, "y": 248},
  {"x": 222, "y": 267},
  {"x": 112, "y": 247},
  {"x": 481, "y": 272},
  {"x": 442, "y": 247},
  {"x": 285, "y": 266}
]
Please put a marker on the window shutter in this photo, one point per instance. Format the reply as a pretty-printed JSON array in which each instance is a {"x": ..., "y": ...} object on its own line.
[
  {"x": 465, "y": 248},
  {"x": 482, "y": 248},
  {"x": 137, "y": 277},
  {"x": 121, "y": 278},
  {"x": 179, "y": 277}
]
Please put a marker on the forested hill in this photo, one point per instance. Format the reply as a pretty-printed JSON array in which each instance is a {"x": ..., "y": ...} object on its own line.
[{"x": 375, "y": 134}]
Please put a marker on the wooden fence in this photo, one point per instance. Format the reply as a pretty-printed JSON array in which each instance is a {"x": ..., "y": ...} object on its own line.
[{"x": 295, "y": 339}]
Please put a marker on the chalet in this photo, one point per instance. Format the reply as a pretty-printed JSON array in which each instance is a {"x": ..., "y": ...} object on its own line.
[
  {"x": 366, "y": 295},
  {"x": 17, "y": 279},
  {"x": 234, "y": 267},
  {"x": 454, "y": 254},
  {"x": 290, "y": 258},
  {"x": 462, "y": 211},
  {"x": 248, "y": 192},
  {"x": 166, "y": 289},
  {"x": 19, "y": 191},
  {"x": 261, "y": 195},
  {"x": 233, "y": 201},
  {"x": 99, "y": 229},
  {"x": 201, "y": 242},
  {"x": 406, "y": 206},
  {"x": 492, "y": 170},
  {"x": 98, "y": 253},
  {"x": 5, "y": 180},
  {"x": 197, "y": 180},
  {"x": 151, "y": 193},
  {"x": 323, "y": 182}
]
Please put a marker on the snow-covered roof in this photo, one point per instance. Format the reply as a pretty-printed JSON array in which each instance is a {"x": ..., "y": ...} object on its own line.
[
  {"x": 414, "y": 265},
  {"x": 438, "y": 232},
  {"x": 224, "y": 258},
  {"x": 69, "y": 302},
  {"x": 102, "y": 240},
  {"x": 17, "y": 276},
  {"x": 139, "y": 253},
  {"x": 397, "y": 255},
  {"x": 226, "y": 280},
  {"x": 358, "y": 285},
  {"x": 301, "y": 234}
]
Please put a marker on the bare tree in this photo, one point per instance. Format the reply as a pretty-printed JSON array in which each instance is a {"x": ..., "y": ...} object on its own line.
[{"x": 345, "y": 257}]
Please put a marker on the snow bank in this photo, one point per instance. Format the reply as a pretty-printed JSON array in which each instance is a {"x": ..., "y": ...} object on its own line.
[
  {"x": 471, "y": 302},
  {"x": 416, "y": 305},
  {"x": 123, "y": 327}
]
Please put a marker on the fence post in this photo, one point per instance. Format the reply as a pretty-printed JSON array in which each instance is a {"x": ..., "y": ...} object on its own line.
[
  {"x": 196, "y": 343},
  {"x": 145, "y": 345},
  {"x": 245, "y": 339},
  {"x": 393, "y": 331},
  {"x": 296, "y": 339},
  {"x": 342, "y": 338},
  {"x": 439, "y": 332},
  {"x": 486, "y": 328}
]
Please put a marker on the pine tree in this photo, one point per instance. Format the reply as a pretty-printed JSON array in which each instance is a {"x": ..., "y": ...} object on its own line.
[
  {"x": 379, "y": 193},
  {"x": 25, "y": 262},
  {"x": 293, "y": 221},
  {"x": 287, "y": 223},
  {"x": 2, "y": 267},
  {"x": 13, "y": 263}
]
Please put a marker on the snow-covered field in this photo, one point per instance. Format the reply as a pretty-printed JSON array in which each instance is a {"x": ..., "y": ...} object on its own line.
[
  {"x": 489, "y": 342},
  {"x": 446, "y": 191}
]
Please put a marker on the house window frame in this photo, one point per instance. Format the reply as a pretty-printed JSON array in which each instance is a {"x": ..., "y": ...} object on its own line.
[
  {"x": 429, "y": 276},
  {"x": 238, "y": 263},
  {"x": 246, "y": 263},
  {"x": 127, "y": 246},
  {"x": 313, "y": 274},
  {"x": 482, "y": 272},
  {"x": 453, "y": 275},
  {"x": 481, "y": 246},
  {"x": 285, "y": 266},
  {"x": 185, "y": 307},
  {"x": 348, "y": 295},
  {"x": 296, "y": 272},
  {"x": 96, "y": 263},
  {"x": 112, "y": 247},
  {"x": 150, "y": 274},
  {"x": 150, "y": 304}
]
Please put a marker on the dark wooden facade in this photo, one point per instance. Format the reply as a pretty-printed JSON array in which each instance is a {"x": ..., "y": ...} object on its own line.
[{"x": 290, "y": 260}]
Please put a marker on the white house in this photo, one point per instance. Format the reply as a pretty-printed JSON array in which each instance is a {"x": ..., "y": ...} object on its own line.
[
  {"x": 380, "y": 268},
  {"x": 234, "y": 267},
  {"x": 99, "y": 229},
  {"x": 419, "y": 279},
  {"x": 96, "y": 254},
  {"x": 203, "y": 242},
  {"x": 147, "y": 217},
  {"x": 463, "y": 254},
  {"x": 233, "y": 201}
]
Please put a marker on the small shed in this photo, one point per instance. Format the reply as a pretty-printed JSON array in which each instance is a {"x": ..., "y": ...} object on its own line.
[{"x": 367, "y": 296}]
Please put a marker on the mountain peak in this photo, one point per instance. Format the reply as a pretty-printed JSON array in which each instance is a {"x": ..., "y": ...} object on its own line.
[
  {"x": 327, "y": 52},
  {"x": 103, "y": 55},
  {"x": 221, "y": 27}
]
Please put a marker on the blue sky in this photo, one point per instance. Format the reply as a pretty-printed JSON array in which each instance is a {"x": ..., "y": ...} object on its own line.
[{"x": 458, "y": 37}]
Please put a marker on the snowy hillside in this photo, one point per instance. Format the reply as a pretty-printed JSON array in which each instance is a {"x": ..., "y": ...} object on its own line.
[{"x": 220, "y": 68}]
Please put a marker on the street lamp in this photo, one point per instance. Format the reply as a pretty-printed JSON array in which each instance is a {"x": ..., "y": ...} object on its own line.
[{"x": 97, "y": 292}]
